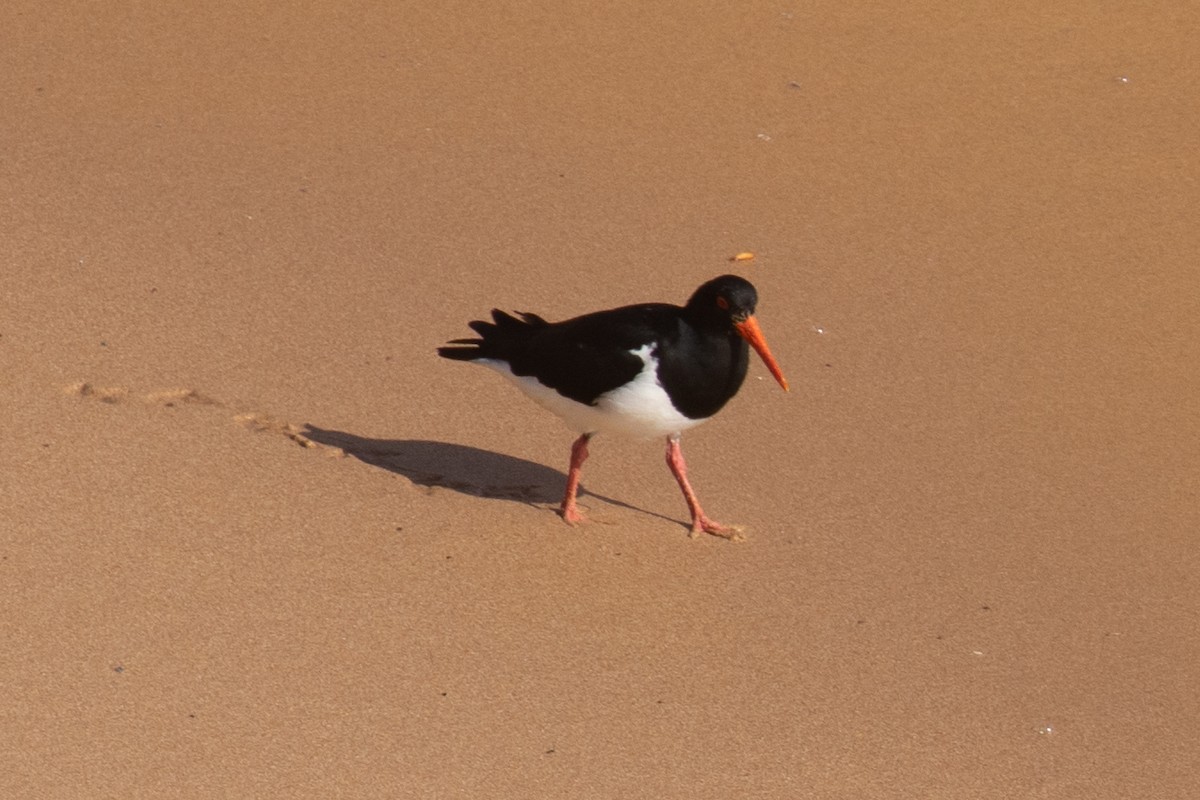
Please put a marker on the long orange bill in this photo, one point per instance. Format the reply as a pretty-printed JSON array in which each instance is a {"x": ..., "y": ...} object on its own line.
[{"x": 748, "y": 330}]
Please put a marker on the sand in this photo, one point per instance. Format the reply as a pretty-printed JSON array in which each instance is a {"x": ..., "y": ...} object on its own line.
[{"x": 259, "y": 541}]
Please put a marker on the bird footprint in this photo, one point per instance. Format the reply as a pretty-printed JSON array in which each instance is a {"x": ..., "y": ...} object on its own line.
[
  {"x": 172, "y": 398},
  {"x": 428, "y": 466}
]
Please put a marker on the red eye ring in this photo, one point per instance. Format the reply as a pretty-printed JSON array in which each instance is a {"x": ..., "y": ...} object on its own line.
[{"x": 722, "y": 304}]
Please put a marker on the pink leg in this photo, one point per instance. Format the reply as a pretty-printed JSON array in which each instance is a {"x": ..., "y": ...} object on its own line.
[
  {"x": 579, "y": 453},
  {"x": 700, "y": 523}
]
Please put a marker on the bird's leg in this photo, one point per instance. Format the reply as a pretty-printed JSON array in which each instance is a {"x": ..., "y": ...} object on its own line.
[
  {"x": 579, "y": 453},
  {"x": 700, "y": 523}
]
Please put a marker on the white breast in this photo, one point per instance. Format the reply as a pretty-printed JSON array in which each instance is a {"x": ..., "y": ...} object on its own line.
[{"x": 640, "y": 408}]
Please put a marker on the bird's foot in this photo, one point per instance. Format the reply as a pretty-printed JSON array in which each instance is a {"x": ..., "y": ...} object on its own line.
[
  {"x": 572, "y": 515},
  {"x": 703, "y": 524}
]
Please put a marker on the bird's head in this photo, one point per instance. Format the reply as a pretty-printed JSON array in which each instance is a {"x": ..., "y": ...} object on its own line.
[{"x": 729, "y": 302}]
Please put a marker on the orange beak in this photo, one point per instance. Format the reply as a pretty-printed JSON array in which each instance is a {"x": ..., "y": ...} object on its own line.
[{"x": 748, "y": 330}]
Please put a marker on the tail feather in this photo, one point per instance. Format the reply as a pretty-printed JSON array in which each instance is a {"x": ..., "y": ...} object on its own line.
[
  {"x": 497, "y": 339},
  {"x": 531, "y": 319}
]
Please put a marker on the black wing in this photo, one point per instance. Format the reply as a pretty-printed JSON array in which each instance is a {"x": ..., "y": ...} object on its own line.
[{"x": 580, "y": 358}]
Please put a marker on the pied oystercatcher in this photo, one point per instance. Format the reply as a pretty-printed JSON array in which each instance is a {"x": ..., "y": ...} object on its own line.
[{"x": 644, "y": 370}]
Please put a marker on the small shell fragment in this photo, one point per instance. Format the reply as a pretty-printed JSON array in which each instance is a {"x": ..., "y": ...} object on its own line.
[{"x": 746, "y": 256}]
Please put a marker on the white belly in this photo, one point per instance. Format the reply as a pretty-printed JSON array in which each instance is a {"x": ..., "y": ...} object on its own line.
[{"x": 640, "y": 408}]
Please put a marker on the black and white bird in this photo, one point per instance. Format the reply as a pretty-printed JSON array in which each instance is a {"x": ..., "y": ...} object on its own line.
[{"x": 643, "y": 370}]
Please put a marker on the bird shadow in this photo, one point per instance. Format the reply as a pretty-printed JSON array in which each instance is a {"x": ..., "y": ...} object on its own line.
[{"x": 460, "y": 468}]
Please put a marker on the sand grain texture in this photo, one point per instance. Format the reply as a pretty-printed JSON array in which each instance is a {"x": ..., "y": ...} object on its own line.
[{"x": 258, "y": 541}]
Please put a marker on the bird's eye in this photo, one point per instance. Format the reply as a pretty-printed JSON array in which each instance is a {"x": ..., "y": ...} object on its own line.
[{"x": 722, "y": 304}]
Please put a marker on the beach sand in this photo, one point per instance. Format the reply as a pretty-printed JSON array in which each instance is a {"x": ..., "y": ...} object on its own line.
[{"x": 259, "y": 541}]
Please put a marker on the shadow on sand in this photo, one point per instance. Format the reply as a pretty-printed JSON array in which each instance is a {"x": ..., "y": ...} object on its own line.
[{"x": 469, "y": 470}]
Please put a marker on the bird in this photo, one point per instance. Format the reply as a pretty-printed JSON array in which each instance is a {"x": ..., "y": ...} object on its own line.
[{"x": 646, "y": 370}]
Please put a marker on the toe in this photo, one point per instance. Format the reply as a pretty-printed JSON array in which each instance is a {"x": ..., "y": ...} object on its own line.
[
  {"x": 705, "y": 525},
  {"x": 572, "y": 516}
]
